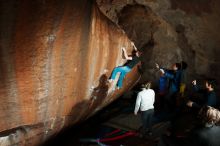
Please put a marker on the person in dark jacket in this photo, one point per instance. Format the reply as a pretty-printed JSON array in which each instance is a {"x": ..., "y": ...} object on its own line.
[
  {"x": 209, "y": 99},
  {"x": 206, "y": 133}
]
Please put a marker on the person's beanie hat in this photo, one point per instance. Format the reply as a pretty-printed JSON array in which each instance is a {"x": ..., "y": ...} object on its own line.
[{"x": 178, "y": 65}]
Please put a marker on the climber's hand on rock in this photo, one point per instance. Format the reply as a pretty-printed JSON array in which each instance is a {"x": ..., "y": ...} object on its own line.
[{"x": 157, "y": 66}]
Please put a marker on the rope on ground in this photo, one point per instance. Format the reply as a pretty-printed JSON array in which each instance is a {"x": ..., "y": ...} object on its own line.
[
  {"x": 113, "y": 132},
  {"x": 99, "y": 141},
  {"x": 130, "y": 133}
]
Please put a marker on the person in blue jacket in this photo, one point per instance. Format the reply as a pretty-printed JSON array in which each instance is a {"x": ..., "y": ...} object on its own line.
[
  {"x": 162, "y": 90},
  {"x": 174, "y": 76},
  {"x": 162, "y": 84}
]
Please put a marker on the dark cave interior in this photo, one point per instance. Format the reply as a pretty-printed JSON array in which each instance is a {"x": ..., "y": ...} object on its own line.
[{"x": 56, "y": 58}]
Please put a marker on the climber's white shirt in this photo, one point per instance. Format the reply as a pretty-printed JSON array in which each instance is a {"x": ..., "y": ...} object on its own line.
[{"x": 145, "y": 100}]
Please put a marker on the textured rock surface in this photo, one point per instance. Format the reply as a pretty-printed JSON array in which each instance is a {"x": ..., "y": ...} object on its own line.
[
  {"x": 54, "y": 58},
  {"x": 54, "y": 55},
  {"x": 182, "y": 30}
]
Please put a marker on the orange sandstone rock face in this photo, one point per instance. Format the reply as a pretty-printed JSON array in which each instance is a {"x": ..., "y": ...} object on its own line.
[{"x": 55, "y": 59}]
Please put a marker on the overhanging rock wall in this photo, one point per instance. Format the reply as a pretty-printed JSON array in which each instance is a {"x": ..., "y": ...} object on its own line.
[
  {"x": 182, "y": 30},
  {"x": 55, "y": 59}
]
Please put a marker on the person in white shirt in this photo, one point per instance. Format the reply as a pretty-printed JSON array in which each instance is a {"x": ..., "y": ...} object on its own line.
[{"x": 145, "y": 103}]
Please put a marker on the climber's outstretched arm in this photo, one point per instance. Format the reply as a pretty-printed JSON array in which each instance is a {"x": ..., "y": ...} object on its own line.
[
  {"x": 135, "y": 48},
  {"x": 125, "y": 54}
]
